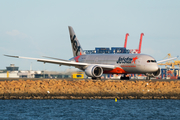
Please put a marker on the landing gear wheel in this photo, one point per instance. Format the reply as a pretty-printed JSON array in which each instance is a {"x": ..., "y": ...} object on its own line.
[
  {"x": 148, "y": 78},
  {"x": 124, "y": 78}
]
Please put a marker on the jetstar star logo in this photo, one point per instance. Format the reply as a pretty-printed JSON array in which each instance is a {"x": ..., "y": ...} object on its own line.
[
  {"x": 134, "y": 60},
  {"x": 77, "y": 58},
  {"x": 128, "y": 60}
]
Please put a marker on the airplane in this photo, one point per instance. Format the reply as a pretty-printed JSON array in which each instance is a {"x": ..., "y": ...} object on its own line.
[{"x": 94, "y": 65}]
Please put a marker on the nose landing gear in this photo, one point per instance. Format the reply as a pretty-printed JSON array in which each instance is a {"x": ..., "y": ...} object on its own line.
[{"x": 148, "y": 78}]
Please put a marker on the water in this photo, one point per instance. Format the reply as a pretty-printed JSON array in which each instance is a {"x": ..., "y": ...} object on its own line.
[{"x": 89, "y": 109}]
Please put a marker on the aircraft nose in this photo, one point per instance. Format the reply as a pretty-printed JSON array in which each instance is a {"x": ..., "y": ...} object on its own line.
[{"x": 151, "y": 68}]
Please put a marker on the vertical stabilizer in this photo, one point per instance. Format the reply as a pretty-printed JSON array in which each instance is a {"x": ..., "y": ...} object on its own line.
[{"x": 76, "y": 47}]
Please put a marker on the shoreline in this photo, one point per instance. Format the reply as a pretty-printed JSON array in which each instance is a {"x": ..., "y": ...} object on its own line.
[{"x": 89, "y": 89}]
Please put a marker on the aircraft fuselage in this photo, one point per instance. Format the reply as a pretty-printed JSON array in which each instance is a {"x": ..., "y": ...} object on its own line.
[{"x": 125, "y": 63}]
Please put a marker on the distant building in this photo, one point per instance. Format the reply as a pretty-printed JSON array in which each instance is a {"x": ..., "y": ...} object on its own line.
[
  {"x": 102, "y": 50},
  {"x": 9, "y": 72},
  {"x": 13, "y": 72},
  {"x": 12, "y": 68}
]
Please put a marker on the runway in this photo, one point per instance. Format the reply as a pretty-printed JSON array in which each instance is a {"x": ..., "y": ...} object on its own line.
[{"x": 72, "y": 79}]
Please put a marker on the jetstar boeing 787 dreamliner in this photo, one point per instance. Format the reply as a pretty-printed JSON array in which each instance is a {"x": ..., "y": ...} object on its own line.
[{"x": 94, "y": 65}]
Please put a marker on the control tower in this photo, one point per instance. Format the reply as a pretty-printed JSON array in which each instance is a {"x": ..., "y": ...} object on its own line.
[{"x": 12, "y": 68}]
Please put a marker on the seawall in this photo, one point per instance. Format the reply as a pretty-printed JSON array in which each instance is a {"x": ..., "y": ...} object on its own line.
[{"x": 88, "y": 89}]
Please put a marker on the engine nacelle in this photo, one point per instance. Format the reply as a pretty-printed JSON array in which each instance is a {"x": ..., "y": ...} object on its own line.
[
  {"x": 94, "y": 71},
  {"x": 154, "y": 74}
]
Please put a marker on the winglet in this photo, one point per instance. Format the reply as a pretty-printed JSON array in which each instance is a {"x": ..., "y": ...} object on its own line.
[
  {"x": 21, "y": 57},
  {"x": 11, "y": 56}
]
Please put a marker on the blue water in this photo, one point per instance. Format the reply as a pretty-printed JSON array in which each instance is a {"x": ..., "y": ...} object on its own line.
[{"x": 89, "y": 109}]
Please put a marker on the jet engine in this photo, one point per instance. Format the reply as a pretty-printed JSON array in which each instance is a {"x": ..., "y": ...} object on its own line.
[
  {"x": 94, "y": 71},
  {"x": 154, "y": 74}
]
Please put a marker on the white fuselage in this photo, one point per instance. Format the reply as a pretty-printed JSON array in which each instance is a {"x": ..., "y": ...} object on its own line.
[{"x": 130, "y": 63}]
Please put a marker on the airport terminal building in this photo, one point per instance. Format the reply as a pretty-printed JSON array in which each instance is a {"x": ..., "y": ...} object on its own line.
[{"x": 13, "y": 72}]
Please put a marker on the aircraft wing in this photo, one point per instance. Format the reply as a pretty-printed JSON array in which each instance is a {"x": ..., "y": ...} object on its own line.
[
  {"x": 65, "y": 62},
  {"x": 167, "y": 59},
  {"x": 55, "y": 58}
]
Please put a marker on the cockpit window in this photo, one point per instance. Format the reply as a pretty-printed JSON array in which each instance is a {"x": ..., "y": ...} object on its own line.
[
  {"x": 148, "y": 61},
  {"x": 153, "y": 60}
]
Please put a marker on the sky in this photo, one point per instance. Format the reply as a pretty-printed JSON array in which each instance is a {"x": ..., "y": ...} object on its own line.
[{"x": 37, "y": 28}]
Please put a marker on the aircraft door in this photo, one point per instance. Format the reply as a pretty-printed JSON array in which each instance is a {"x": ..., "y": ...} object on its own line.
[
  {"x": 96, "y": 60},
  {"x": 139, "y": 61},
  {"x": 139, "y": 64}
]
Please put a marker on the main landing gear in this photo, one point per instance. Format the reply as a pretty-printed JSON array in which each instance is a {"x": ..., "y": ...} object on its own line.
[
  {"x": 96, "y": 78},
  {"x": 124, "y": 77}
]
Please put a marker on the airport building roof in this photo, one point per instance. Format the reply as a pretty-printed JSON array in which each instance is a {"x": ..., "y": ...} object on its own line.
[{"x": 104, "y": 50}]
